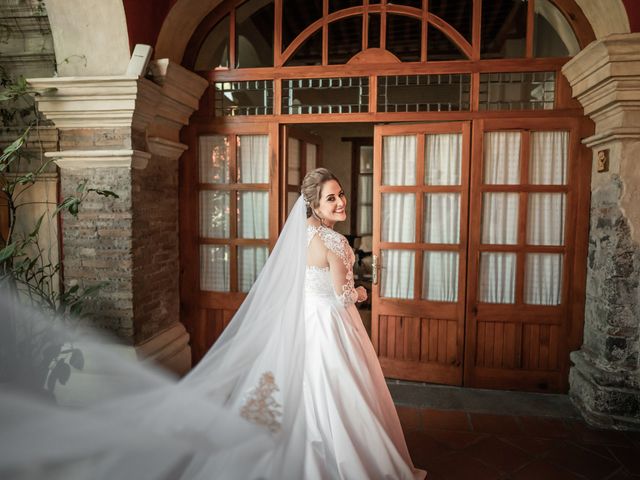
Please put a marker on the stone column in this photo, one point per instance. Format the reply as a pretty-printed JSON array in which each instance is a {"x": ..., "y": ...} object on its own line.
[
  {"x": 122, "y": 133},
  {"x": 605, "y": 378}
]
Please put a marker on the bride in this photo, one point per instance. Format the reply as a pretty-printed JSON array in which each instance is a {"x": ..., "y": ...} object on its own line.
[{"x": 292, "y": 389}]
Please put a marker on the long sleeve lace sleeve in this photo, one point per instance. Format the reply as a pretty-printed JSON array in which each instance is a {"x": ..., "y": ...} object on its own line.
[{"x": 341, "y": 258}]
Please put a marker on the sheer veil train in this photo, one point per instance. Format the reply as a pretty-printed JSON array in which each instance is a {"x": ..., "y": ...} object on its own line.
[{"x": 238, "y": 414}]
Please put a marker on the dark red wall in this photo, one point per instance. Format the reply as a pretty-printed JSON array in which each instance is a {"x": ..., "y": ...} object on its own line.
[
  {"x": 145, "y": 18},
  {"x": 633, "y": 12}
]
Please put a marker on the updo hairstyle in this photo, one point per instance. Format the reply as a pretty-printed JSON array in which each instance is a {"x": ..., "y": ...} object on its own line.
[{"x": 311, "y": 188}]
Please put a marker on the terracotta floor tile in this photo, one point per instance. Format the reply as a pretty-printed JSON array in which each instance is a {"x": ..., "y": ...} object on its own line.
[
  {"x": 545, "y": 427},
  {"x": 629, "y": 457},
  {"x": 542, "y": 470},
  {"x": 532, "y": 445},
  {"x": 586, "y": 434},
  {"x": 581, "y": 461},
  {"x": 409, "y": 418},
  {"x": 424, "y": 450},
  {"x": 498, "y": 454},
  {"x": 454, "y": 439},
  {"x": 445, "y": 419},
  {"x": 459, "y": 466},
  {"x": 498, "y": 424}
]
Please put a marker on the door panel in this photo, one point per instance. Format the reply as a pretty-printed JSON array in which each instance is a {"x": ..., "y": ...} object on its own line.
[
  {"x": 228, "y": 221},
  {"x": 420, "y": 239},
  {"x": 525, "y": 181}
]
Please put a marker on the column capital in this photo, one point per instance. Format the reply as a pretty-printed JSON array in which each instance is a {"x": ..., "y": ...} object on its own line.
[
  {"x": 605, "y": 78},
  {"x": 159, "y": 107}
]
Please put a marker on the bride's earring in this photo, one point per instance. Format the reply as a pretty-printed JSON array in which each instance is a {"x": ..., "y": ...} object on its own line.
[{"x": 318, "y": 217}]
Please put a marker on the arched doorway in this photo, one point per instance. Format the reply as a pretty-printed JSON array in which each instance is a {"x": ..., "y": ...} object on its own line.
[{"x": 480, "y": 244}]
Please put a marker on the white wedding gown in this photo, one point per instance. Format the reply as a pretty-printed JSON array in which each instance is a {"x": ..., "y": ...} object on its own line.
[
  {"x": 291, "y": 390},
  {"x": 353, "y": 430}
]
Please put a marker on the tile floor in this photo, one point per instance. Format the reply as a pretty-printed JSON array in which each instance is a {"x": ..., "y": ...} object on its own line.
[{"x": 456, "y": 444}]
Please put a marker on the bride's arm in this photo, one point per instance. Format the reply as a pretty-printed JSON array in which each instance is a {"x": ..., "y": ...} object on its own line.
[{"x": 342, "y": 277}]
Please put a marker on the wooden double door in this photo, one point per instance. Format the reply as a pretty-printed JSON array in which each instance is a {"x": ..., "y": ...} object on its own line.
[
  {"x": 479, "y": 241},
  {"x": 479, "y": 244}
]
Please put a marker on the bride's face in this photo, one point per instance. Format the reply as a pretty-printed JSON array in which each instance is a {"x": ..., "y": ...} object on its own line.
[{"x": 333, "y": 203}]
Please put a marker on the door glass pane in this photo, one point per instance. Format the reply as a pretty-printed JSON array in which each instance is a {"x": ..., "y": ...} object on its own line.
[
  {"x": 543, "y": 279},
  {"x": 253, "y": 158},
  {"x": 397, "y": 273},
  {"x": 214, "y": 214},
  {"x": 442, "y": 218},
  {"x": 293, "y": 159},
  {"x": 366, "y": 159},
  {"x": 214, "y": 52},
  {"x": 398, "y": 217},
  {"x": 399, "y": 160},
  {"x": 365, "y": 219},
  {"x": 291, "y": 200},
  {"x": 504, "y": 29},
  {"x": 502, "y": 158},
  {"x": 548, "y": 165},
  {"x": 443, "y": 159},
  {"x": 254, "y": 34},
  {"x": 312, "y": 154},
  {"x": 213, "y": 152},
  {"x": 497, "y": 277},
  {"x": 253, "y": 215},
  {"x": 214, "y": 268},
  {"x": 552, "y": 34},
  {"x": 545, "y": 222},
  {"x": 440, "y": 276},
  {"x": 365, "y": 189},
  {"x": 250, "y": 262},
  {"x": 500, "y": 218}
]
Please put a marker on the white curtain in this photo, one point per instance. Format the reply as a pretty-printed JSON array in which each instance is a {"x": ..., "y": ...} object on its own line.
[
  {"x": 312, "y": 154},
  {"x": 214, "y": 268},
  {"x": 443, "y": 157},
  {"x": 213, "y": 153},
  {"x": 253, "y": 158},
  {"x": 500, "y": 218},
  {"x": 548, "y": 164},
  {"x": 250, "y": 262},
  {"x": 546, "y": 218},
  {"x": 293, "y": 161},
  {"x": 543, "y": 279},
  {"x": 399, "y": 160},
  {"x": 365, "y": 202},
  {"x": 398, "y": 217},
  {"x": 502, "y": 158},
  {"x": 440, "y": 276},
  {"x": 442, "y": 218},
  {"x": 497, "y": 277},
  {"x": 253, "y": 214},
  {"x": 397, "y": 274},
  {"x": 214, "y": 214}
]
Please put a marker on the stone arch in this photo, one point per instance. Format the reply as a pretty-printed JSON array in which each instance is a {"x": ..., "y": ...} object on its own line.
[
  {"x": 89, "y": 38},
  {"x": 186, "y": 15}
]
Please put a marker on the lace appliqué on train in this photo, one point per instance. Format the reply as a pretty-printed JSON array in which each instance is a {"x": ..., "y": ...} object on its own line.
[{"x": 261, "y": 407}]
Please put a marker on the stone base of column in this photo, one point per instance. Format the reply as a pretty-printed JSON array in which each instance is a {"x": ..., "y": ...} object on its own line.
[
  {"x": 95, "y": 381},
  {"x": 604, "y": 397}
]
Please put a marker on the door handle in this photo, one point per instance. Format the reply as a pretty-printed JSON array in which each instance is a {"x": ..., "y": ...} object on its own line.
[{"x": 374, "y": 268}]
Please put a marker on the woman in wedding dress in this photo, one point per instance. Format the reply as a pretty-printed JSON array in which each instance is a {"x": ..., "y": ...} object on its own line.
[
  {"x": 292, "y": 389},
  {"x": 353, "y": 430}
]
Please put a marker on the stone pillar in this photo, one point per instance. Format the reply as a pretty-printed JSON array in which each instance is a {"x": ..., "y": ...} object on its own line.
[
  {"x": 605, "y": 378},
  {"x": 122, "y": 134}
]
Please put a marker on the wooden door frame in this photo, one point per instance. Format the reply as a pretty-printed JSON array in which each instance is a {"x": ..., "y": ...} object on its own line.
[
  {"x": 428, "y": 309},
  {"x": 571, "y": 311}
]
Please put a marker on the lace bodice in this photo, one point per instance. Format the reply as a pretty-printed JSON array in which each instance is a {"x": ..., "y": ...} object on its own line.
[{"x": 337, "y": 280}]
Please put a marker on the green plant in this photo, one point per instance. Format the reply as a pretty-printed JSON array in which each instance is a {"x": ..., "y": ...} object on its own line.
[{"x": 26, "y": 269}]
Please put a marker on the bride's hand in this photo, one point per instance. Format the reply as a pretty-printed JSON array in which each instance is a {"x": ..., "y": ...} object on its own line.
[{"x": 362, "y": 294}]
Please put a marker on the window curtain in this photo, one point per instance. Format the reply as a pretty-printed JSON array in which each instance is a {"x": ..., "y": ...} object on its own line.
[
  {"x": 399, "y": 160},
  {"x": 253, "y": 207},
  {"x": 443, "y": 158}
]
